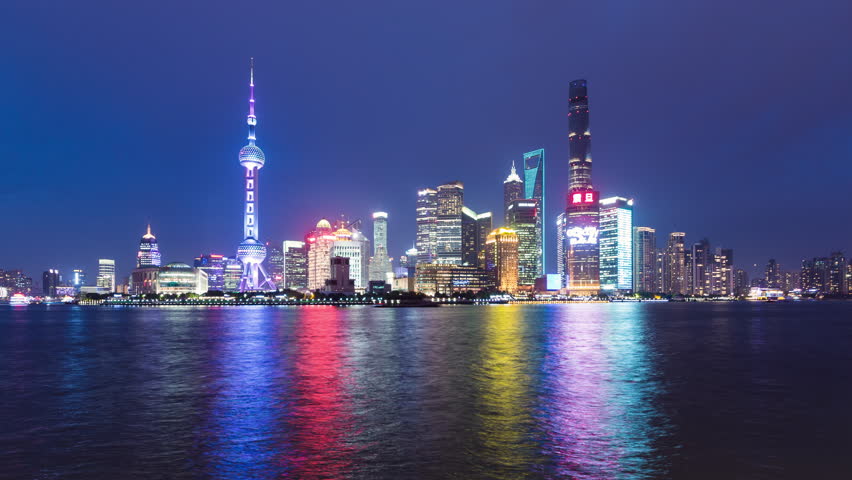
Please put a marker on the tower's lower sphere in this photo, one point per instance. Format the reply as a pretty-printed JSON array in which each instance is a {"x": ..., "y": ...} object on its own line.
[{"x": 251, "y": 251}]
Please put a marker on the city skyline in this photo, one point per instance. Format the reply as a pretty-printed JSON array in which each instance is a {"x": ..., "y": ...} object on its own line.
[{"x": 117, "y": 203}]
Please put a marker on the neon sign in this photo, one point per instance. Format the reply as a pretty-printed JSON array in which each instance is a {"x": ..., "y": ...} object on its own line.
[
  {"x": 583, "y": 197},
  {"x": 582, "y": 235}
]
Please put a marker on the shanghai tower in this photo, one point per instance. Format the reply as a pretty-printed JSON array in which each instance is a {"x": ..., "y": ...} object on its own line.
[
  {"x": 251, "y": 251},
  {"x": 582, "y": 212}
]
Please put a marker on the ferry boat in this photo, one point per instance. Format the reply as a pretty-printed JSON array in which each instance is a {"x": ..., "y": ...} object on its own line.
[{"x": 19, "y": 299}]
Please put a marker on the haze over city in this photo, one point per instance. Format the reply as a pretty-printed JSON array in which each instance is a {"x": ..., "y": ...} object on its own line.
[{"x": 138, "y": 119}]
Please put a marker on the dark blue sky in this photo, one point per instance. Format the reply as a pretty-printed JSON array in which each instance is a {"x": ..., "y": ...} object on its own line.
[{"x": 725, "y": 119}]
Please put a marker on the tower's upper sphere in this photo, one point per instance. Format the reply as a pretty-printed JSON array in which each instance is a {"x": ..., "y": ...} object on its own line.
[
  {"x": 252, "y": 155},
  {"x": 251, "y": 251}
]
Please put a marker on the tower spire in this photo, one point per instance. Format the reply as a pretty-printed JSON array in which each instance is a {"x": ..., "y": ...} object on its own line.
[{"x": 252, "y": 119}]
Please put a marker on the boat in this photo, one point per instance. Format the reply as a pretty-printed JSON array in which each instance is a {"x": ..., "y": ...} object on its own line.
[{"x": 19, "y": 300}]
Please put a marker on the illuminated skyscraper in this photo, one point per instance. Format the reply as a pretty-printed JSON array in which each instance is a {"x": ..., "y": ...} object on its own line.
[
  {"x": 319, "y": 244},
  {"x": 295, "y": 265},
  {"x": 450, "y": 199},
  {"x": 475, "y": 229},
  {"x": 582, "y": 212},
  {"x": 837, "y": 270},
  {"x": 675, "y": 269},
  {"x": 380, "y": 264},
  {"x": 252, "y": 252},
  {"x": 149, "y": 251},
  {"x": 232, "y": 273},
  {"x": 561, "y": 249},
  {"x": 49, "y": 282},
  {"x": 427, "y": 222},
  {"x": 513, "y": 189},
  {"x": 645, "y": 260},
  {"x": 723, "y": 273},
  {"x": 616, "y": 245},
  {"x": 501, "y": 259},
  {"x": 78, "y": 278},
  {"x": 106, "y": 274},
  {"x": 534, "y": 175},
  {"x": 214, "y": 266},
  {"x": 523, "y": 219},
  {"x": 773, "y": 274},
  {"x": 351, "y": 245},
  {"x": 702, "y": 269},
  {"x": 275, "y": 264}
]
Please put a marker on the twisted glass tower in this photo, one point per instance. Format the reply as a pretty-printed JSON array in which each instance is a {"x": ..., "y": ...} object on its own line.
[{"x": 252, "y": 252}]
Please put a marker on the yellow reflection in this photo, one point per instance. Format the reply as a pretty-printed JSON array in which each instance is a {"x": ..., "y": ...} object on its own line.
[{"x": 504, "y": 389}]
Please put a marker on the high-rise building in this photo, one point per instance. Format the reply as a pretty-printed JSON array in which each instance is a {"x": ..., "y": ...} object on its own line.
[
  {"x": 676, "y": 272},
  {"x": 501, "y": 259},
  {"x": 791, "y": 281},
  {"x": 513, "y": 189},
  {"x": 702, "y": 268},
  {"x": 232, "y": 274},
  {"x": 78, "y": 278},
  {"x": 214, "y": 266},
  {"x": 295, "y": 265},
  {"x": 534, "y": 175},
  {"x": 106, "y": 274},
  {"x": 380, "y": 264},
  {"x": 352, "y": 246},
  {"x": 275, "y": 264},
  {"x": 645, "y": 260},
  {"x": 433, "y": 278},
  {"x": 837, "y": 274},
  {"x": 741, "y": 285},
  {"x": 252, "y": 252},
  {"x": 773, "y": 274},
  {"x": 723, "y": 273},
  {"x": 319, "y": 244},
  {"x": 149, "y": 251},
  {"x": 450, "y": 199},
  {"x": 340, "y": 280},
  {"x": 427, "y": 226},
  {"x": 49, "y": 281},
  {"x": 582, "y": 211},
  {"x": 475, "y": 229},
  {"x": 523, "y": 220},
  {"x": 616, "y": 244},
  {"x": 561, "y": 248}
]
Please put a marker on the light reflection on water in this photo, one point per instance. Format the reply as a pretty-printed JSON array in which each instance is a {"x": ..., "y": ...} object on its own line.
[{"x": 598, "y": 391}]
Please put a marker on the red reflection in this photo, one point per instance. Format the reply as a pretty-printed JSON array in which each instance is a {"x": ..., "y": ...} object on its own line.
[{"x": 322, "y": 423}]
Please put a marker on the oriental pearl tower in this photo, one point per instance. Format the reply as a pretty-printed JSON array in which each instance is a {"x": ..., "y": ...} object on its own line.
[{"x": 251, "y": 251}]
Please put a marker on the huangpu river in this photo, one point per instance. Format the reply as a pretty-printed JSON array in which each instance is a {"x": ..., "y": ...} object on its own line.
[{"x": 586, "y": 391}]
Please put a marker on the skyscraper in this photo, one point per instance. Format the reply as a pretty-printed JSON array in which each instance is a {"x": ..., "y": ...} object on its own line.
[
  {"x": 214, "y": 266},
  {"x": 702, "y": 268},
  {"x": 523, "y": 220},
  {"x": 78, "y": 278},
  {"x": 251, "y": 252},
  {"x": 534, "y": 175},
  {"x": 232, "y": 273},
  {"x": 319, "y": 244},
  {"x": 773, "y": 274},
  {"x": 741, "y": 286},
  {"x": 106, "y": 274},
  {"x": 723, "y": 273},
  {"x": 616, "y": 244},
  {"x": 837, "y": 274},
  {"x": 475, "y": 229},
  {"x": 379, "y": 264},
  {"x": 351, "y": 245},
  {"x": 645, "y": 260},
  {"x": 450, "y": 201},
  {"x": 675, "y": 260},
  {"x": 582, "y": 211},
  {"x": 149, "y": 251},
  {"x": 49, "y": 282},
  {"x": 275, "y": 264},
  {"x": 427, "y": 230},
  {"x": 561, "y": 249},
  {"x": 513, "y": 189},
  {"x": 295, "y": 265},
  {"x": 501, "y": 259}
]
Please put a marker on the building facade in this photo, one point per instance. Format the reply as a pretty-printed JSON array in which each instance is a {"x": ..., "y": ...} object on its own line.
[
  {"x": 50, "y": 279},
  {"x": 149, "y": 252},
  {"x": 501, "y": 259},
  {"x": 106, "y": 274},
  {"x": 534, "y": 175},
  {"x": 214, "y": 266},
  {"x": 524, "y": 216},
  {"x": 352, "y": 246},
  {"x": 450, "y": 198},
  {"x": 380, "y": 263},
  {"x": 513, "y": 189},
  {"x": 582, "y": 211},
  {"x": 427, "y": 226},
  {"x": 675, "y": 265},
  {"x": 645, "y": 260},
  {"x": 319, "y": 244},
  {"x": 295, "y": 265},
  {"x": 616, "y": 245}
]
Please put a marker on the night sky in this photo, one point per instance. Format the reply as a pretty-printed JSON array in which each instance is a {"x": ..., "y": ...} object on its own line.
[{"x": 730, "y": 120}]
